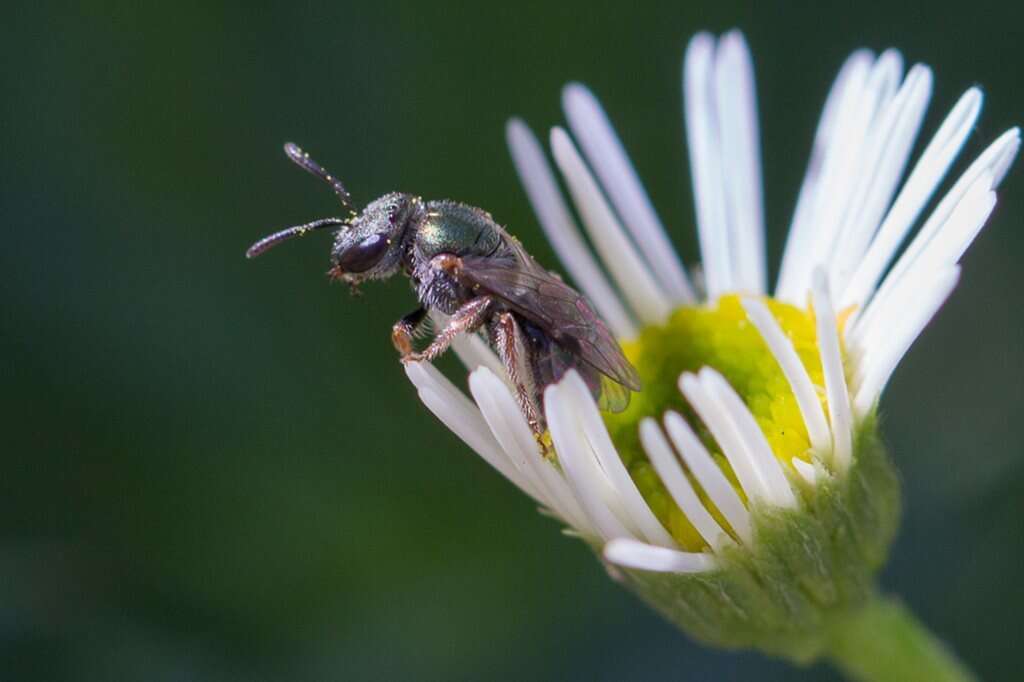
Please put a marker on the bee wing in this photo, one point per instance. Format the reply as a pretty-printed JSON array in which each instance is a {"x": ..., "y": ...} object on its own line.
[
  {"x": 563, "y": 314},
  {"x": 550, "y": 360},
  {"x": 614, "y": 396}
]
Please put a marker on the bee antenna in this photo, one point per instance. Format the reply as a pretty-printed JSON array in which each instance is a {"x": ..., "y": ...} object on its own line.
[
  {"x": 273, "y": 240},
  {"x": 305, "y": 162}
]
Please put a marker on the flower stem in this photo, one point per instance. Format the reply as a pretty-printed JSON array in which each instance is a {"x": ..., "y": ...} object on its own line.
[{"x": 883, "y": 641}]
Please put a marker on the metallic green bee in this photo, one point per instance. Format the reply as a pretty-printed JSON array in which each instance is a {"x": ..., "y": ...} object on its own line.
[{"x": 467, "y": 267}]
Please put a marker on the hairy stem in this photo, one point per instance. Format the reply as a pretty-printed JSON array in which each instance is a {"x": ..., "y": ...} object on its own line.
[{"x": 883, "y": 641}]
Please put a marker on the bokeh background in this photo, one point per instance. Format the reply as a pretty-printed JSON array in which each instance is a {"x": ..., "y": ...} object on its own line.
[{"x": 215, "y": 469}]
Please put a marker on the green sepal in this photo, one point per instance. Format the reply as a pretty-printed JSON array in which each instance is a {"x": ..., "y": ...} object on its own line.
[{"x": 806, "y": 569}]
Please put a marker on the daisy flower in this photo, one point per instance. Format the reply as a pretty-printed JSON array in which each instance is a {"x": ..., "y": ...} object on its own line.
[{"x": 744, "y": 493}]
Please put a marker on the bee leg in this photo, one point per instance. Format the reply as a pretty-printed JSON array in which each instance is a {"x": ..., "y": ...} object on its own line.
[
  {"x": 468, "y": 318},
  {"x": 404, "y": 330},
  {"x": 508, "y": 341},
  {"x": 447, "y": 262}
]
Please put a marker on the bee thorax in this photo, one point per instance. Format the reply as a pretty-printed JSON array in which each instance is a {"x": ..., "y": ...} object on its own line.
[{"x": 437, "y": 289}]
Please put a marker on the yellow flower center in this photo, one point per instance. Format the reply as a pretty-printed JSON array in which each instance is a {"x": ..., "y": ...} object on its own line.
[{"x": 720, "y": 336}]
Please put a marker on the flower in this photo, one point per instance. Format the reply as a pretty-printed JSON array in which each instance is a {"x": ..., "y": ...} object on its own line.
[{"x": 751, "y": 453}]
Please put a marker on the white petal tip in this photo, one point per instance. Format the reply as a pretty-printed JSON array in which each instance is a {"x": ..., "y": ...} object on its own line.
[
  {"x": 806, "y": 470},
  {"x": 974, "y": 95},
  {"x": 415, "y": 372},
  {"x": 1005, "y": 160},
  {"x": 700, "y": 44},
  {"x": 733, "y": 40},
  {"x": 515, "y": 127},
  {"x": 576, "y": 94},
  {"x": 558, "y": 138},
  {"x": 641, "y": 556},
  {"x": 481, "y": 375},
  {"x": 550, "y": 393},
  {"x": 687, "y": 382}
]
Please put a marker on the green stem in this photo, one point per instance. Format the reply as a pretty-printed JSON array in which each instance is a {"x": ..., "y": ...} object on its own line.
[{"x": 883, "y": 641}]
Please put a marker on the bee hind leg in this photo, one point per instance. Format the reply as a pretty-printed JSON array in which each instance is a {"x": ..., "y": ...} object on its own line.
[{"x": 509, "y": 342}]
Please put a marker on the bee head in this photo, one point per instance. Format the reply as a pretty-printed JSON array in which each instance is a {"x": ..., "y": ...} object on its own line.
[
  {"x": 368, "y": 244},
  {"x": 372, "y": 247}
]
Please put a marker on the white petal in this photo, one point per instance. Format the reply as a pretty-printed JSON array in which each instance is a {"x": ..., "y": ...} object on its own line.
[
  {"x": 463, "y": 419},
  {"x": 988, "y": 171},
  {"x": 736, "y": 105},
  {"x": 591, "y": 486},
  {"x": 608, "y": 158},
  {"x": 930, "y": 292},
  {"x": 835, "y": 379},
  {"x": 709, "y": 475},
  {"x": 828, "y": 181},
  {"x": 932, "y": 250},
  {"x": 795, "y": 372},
  {"x": 919, "y": 187},
  {"x": 474, "y": 352},
  {"x": 633, "y": 554},
  {"x": 850, "y": 167},
  {"x": 806, "y": 470},
  {"x": 597, "y": 434},
  {"x": 644, "y": 294},
  {"x": 890, "y": 143},
  {"x": 510, "y": 429},
  {"x": 728, "y": 437},
  {"x": 560, "y": 227},
  {"x": 702, "y": 137},
  {"x": 984, "y": 174},
  {"x": 801, "y": 229},
  {"x": 768, "y": 467},
  {"x": 671, "y": 473}
]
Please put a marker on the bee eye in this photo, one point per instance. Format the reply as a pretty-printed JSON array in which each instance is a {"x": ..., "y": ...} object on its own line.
[{"x": 364, "y": 254}]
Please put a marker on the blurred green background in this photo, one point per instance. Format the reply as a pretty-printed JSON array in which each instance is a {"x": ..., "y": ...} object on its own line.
[{"x": 215, "y": 469}]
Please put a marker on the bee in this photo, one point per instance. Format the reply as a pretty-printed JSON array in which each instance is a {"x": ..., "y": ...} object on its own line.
[{"x": 463, "y": 264}]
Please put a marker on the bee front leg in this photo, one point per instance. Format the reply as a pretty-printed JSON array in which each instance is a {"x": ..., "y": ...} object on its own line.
[
  {"x": 405, "y": 329},
  {"x": 508, "y": 341},
  {"x": 468, "y": 318}
]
